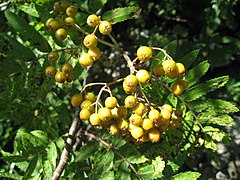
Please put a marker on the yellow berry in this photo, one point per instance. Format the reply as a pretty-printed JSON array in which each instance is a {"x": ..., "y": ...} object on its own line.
[
  {"x": 154, "y": 114},
  {"x": 90, "y": 41},
  {"x": 147, "y": 124},
  {"x": 105, "y": 114},
  {"x": 84, "y": 114},
  {"x": 113, "y": 130},
  {"x": 85, "y": 60},
  {"x": 50, "y": 71},
  {"x": 154, "y": 135},
  {"x": 144, "y": 53},
  {"x": 76, "y": 100},
  {"x": 86, "y": 104},
  {"x": 111, "y": 102},
  {"x": 123, "y": 124},
  {"x": 143, "y": 76},
  {"x": 130, "y": 101},
  {"x": 90, "y": 96},
  {"x": 131, "y": 80},
  {"x": 94, "y": 53},
  {"x": 167, "y": 107},
  {"x": 180, "y": 69},
  {"x": 94, "y": 119},
  {"x": 166, "y": 114},
  {"x": 135, "y": 119},
  {"x": 137, "y": 132},
  {"x": 60, "y": 77},
  {"x": 169, "y": 65},
  {"x": 93, "y": 20},
  {"x": 139, "y": 109},
  {"x": 105, "y": 27},
  {"x": 158, "y": 70}
]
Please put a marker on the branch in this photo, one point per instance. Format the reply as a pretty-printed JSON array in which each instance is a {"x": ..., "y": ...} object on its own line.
[
  {"x": 69, "y": 142},
  {"x": 114, "y": 150}
]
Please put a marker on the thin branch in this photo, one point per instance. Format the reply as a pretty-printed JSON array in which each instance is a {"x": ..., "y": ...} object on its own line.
[
  {"x": 114, "y": 150},
  {"x": 69, "y": 142}
]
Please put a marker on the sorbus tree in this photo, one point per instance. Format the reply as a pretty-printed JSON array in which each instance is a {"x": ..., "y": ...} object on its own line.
[{"x": 80, "y": 123}]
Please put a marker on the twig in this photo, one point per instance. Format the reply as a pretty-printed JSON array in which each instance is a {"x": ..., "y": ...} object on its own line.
[
  {"x": 114, "y": 150},
  {"x": 69, "y": 142}
]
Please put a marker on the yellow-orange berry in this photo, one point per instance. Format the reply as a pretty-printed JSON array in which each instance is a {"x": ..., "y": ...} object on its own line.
[
  {"x": 105, "y": 27},
  {"x": 130, "y": 101},
  {"x": 169, "y": 65},
  {"x": 135, "y": 119},
  {"x": 154, "y": 135},
  {"x": 105, "y": 114},
  {"x": 143, "y": 76},
  {"x": 158, "y": 70},
  {"x": 93, "y": 20},
  {"x": 137, "y": 132},
  {"x": 76, "y": 100},
  {"x": 85, "y": 60},
  {"x": 111, "y": 102},
  {"x": 94, "y": 119},
  {"x": 144, "y": 53},
  {"x": 147, "y": 124}
]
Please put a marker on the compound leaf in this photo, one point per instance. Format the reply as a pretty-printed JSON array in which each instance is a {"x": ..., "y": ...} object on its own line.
[
  {"x": 221, "y": 120},
  {"x": 189, "y": 175},
  {"x": 189, "y": 58},
  {"x": 121, "y": 14}
]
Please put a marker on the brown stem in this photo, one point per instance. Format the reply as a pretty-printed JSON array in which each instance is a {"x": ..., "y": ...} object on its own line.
[
  {"x": 114, "y": 150},
  {"x": 64, "y": 156}
]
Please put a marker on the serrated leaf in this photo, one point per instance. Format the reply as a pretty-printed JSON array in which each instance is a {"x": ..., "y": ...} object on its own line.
[
  {"x": 30, "y": 168},
  {"x": 47, "y": 169},
  {"x": 123, "y": 171},
  {"x": 52, "y": 154},
  {"x": 171, "y": 48},
  {"x": 199, "y": 90},
  {"x": 120, "y": 14},
  {"x": 92, "y": 5},
  {"x": 221, "y": 120},
  {"x": 13, "y": 158},
  {"x": 146, "y": 172},
  {"x": 197, "y": 72},
  {"x": 158, "y": 166},
  {"x": 109, "y": 175},
  {"x": 189, "y": 58},
  {"x": 189, "y": 175},
  {"x": 9, "y": 175},
  {"x": 215, "y": 133},
  {"x": 27, "y": 32},
  {"x": 86, "y": 151},
  {"x": 29, "y": 9}
]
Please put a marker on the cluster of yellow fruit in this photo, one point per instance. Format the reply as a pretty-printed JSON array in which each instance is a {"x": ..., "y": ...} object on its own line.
[
  {"x": 66, "y": 72},
  {"x": 64, "y": 19},
  {"x": 134, "y": 120},
  {"x": 90, "y": 41}
]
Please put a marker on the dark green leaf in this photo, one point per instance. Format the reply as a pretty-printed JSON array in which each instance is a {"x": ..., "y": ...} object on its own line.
[
  {"x": 146, "y": 172},
  {"x": 189, "y": 58},
  {"x": 86, "y": 151},
  {"x": 94, "y": 5},
  {"x": 10, "y": 176},
  {"x": 120, "y": 14},
  {"x": 27, "y": 32},
  {"x": 197, "y": 72},
  {"x": 199, "y": 90},
  {"x": 30, "y": 168},
  {"x": 171, "y": 48},
  {"x": 221, "y": 120},
  {"x": 187, "y": 176},
  {"x": 123, "y": 171},
  {"x": 13, "y": 158}
]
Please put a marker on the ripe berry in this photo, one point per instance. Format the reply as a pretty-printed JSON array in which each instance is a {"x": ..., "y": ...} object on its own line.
[
  {"x": 179, "y": 86},
  {"x": 90, "y": 41},
  {"x": 169, "y": 65},
  {"x": 147, "y": 124},
  {"x": 123, "y": 124},
  {"x": 94, "y": 53},
  {"x": 154, "y": 114},
  {"x": 90, "y": 96},
  {"x": 158, "y": 70},
  {"x": 128, "y": 89},
  {"x": 50, "y": 71},
  {"x": 67, "y": 68},
  {"x": 130, "y": 101},
  {"x": 60, "y": 77},
  {"x": 54, "y": 25},
  {"x": 114, "y": 112},
  {"x": 70, "y": 77},
  {"x": 135, "y": 119},
  {"x": 93, "y": 20},
  {"x": 105, "y": 114},
  {"x": 131, "y": 80},
  {"x": 61, "y": 34},
  {"x": 154, "y": 135},
  {"x": 180, "y": 69},
  {"x": 71, "y": 11},
  {"x": 85, "y": 60},
  {"x": 178, "y": 112},
  {"x": 69, "y": 21},
  {"x": 86, "y": 104},
  {"x": 84, "y": 114},
  {"x": 173, "y": 74},
  {"x": 57, "y": 7},
  {"x": 166, "y": 114},
  {"x": 113, "y": 130},
  {"x": 105, "y": 27},
  {"x": 111, "y": 102},
  {"x": 47, "y": 23},
  {"x": 122, "y": 112},
  {"x": 144, "y": 53},
  {"x": 53, "y": 56},
  {"x": 143, "y": 76},
  {"x": 137, "y": 132},
  {"x": 167, "y": 107},
  {"x": 139, "y": 109},
  {"x": 76, "y": 100},
  {"x": 94, "y": 119},
  {"x": 64, "y": 4}
]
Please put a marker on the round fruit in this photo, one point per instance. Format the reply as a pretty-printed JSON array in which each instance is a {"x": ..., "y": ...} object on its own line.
[
  {"x": 178, "y": 112},
  {"x": 180, "y": 69},
  {"x": 111, "y": 102},
  {"x": 128, "y": 89},
  {"x": 131, "y": 80},
  {"x": 86, "y": 104},
  {"x": 154, "y": 135},
  {"x": 53, "y": 56},
  {"x": 135, "y": 119},
  {"x": 113, "y": 130},
  {"x": 69, "y": 21},
  {"x": 105, "y": 27},
  {"x": 71, "y": 11},
  {"x": 154, "y": 114},
  {"x": 158, "y": 70},
  {"x": 85, "y": 60},
  {"x": 94, "y": 53},
  {"x": 167, "y": 107},
  {"x": 70, "y": 77},
  {"x": 90, "y": 41},
  {"x": 144, "y": 138},
  {"x": 57, "y": 7},
  {"x": 144, "y": 53},
  {"x": 84, "y": 114},
  {"x": 130, "y": 101},
  {"x": 61, "y": 34},
  {"x": 60, "y": 77},
  {"x": 136, "y": 132},
  {"x": 93, "y": 20},
  {"x": 105, "y": 114},
  {"x": 139, "y": 109},
  {"x": 122, "y": 112},
  {"x": 169, "y": 65},
  {"x": 47, "y": 23},
  {"x": 90, "y": 96},
  {"x": 179, "y": 86},
  {"x": 123, "y": 124},
  {"x": 147, "y": 124},
  {"x": 114, "y": 112},
  {"x": 76, "y": 100},
  {"x": 64, "y": 4},
  {"x": 173, "y": 74},
  {"x": 166, "y": 114},
  {"x": 143, "y": 76},
  {"x": 50, "y": 71},
  {"x": 94, "y": 119},
  {"x": 54, "y": 25},
  {"x": 67, "y": 68}
]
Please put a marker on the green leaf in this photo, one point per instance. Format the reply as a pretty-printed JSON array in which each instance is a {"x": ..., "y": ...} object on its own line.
[
  {"x": 92, "y": 5},
  {"x": 171, "y": 48},
  {"x": 123, "y": 171},
  {"x": 13, "y": 158},
  {"x": 199, "y": 90},
  {"x": 215, "y": 133},
  {"x": 27, "y": 32},
  {"x": 30, "y": 168},
  {"x": 10, "y": 176},
  {"x": 146, "y": 172},
  {"x": 189, "y": 58},
  {"x": 158, "y": 166},
  {"x": 86, "y": 151},
  {"x": 47, "y": 169},
  {"x": 187, "y": 176},
  {"x": 221, "y": 120},
  {"x": 29, "y": 9},
  {"x": 52, "y": 154},
  {"x": 120, "y": 14},
  {"x": 197, "y": 72}
]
